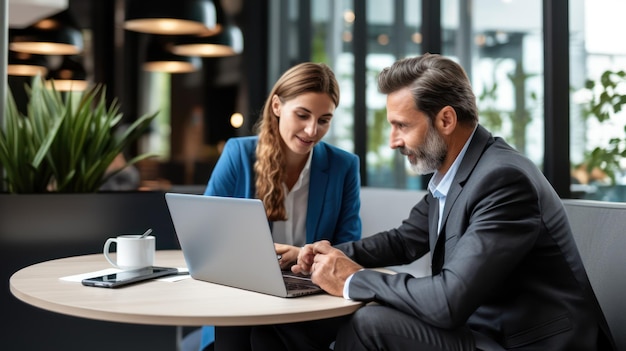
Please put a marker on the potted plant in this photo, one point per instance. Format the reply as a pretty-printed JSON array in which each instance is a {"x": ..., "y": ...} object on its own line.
[{"x": 64, "y": 143}]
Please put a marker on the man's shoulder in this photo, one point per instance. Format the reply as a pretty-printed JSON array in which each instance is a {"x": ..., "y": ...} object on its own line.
[{"x": 504, "y": 154}]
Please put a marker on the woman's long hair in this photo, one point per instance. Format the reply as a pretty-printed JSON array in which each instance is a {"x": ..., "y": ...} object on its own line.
[{"x": 270, "y": 160}]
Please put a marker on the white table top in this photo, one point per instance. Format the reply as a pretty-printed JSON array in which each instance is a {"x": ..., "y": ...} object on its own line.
[{"x": 186, "y": 302}]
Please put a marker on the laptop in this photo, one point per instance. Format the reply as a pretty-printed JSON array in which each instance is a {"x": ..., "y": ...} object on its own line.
[{"x": 228, "y": 241}]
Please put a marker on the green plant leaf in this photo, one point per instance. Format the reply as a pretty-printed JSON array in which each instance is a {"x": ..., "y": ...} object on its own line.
[{"x": 64, "y": 143}]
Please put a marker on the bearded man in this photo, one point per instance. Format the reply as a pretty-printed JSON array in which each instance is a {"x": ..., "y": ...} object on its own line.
[{"x": 506, "y": 273}]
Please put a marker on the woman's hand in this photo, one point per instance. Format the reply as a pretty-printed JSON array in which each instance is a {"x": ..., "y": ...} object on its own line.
[{"x": 288, "y": 255}]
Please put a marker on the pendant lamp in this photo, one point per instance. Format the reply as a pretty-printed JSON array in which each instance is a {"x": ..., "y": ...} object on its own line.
[
  {"x": 69, "y": 76},
  {"x": 24, "y": 64},
  {"x": 159, "y": 58},
  {"x": 228, "y": 42},
  {"x": 55, "y": 35},
  {"x": 170, "y": 17}
]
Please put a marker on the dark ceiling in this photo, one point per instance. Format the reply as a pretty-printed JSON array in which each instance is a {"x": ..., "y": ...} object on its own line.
[{"x": 81, "y": 10}]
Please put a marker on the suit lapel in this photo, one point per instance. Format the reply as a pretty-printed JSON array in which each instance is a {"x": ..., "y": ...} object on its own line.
[
  {"x": 482, "y": 138},
  {"x": 433, "y": 212},
  {"x": 317, "y": 190}
]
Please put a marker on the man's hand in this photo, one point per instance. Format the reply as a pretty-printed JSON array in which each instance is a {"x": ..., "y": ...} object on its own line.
[
  {"x": 305, "y": 260},
  {"x": 329, "y": 267}
]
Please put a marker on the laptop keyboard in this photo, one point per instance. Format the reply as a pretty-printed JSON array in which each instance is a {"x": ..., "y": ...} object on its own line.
[{"x": 298, "y": 284}]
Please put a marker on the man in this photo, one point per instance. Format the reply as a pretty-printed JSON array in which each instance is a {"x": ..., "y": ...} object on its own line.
[{"x": 506, "y": 273}]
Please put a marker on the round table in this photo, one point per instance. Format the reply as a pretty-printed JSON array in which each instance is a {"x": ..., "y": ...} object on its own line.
[{"x": 187, "y": 302}]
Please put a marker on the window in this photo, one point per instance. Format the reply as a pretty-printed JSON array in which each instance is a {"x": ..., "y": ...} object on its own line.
[
  {"x": 505, "y": 64},
  {"x": 500, "y": 43},
  {"x": 596, "y": 29}
]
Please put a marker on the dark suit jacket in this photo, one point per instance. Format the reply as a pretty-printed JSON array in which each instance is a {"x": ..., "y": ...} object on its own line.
[
  {"x": 504, "y": 263},
  {"x": 334, "y": 201}
]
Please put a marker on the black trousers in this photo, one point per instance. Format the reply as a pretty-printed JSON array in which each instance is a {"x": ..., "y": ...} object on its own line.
[
  {"x": 313, "y": 335},
  {"x": 373, "y": 327}
]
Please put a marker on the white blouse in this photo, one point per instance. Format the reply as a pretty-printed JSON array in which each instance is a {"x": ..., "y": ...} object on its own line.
[{"x": 293, "y": 230}]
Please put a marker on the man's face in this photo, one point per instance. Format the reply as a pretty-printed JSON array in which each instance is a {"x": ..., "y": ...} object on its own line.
[{"x": 413, "y": 134}]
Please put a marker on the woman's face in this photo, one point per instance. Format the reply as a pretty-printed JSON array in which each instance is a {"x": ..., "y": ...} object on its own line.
[{"x": 304, "y": 120}]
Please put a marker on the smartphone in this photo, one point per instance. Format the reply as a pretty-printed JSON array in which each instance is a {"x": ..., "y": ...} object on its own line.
[{"x": 123, "y": 278}]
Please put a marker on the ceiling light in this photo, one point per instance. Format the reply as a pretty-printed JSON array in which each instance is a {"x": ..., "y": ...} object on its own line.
[
  {"x": 171, "y": 17},
  {"x": 226, "y": 43},
  {"x": 69, "y": 76},
  {"x": 24, "y": 64},
  {"x": 56, "y": 35},
  {"x": 159, "y": 58}
]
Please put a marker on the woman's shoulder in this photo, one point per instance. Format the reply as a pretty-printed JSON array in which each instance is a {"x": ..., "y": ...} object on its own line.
[{"x": 245, "y": 142}]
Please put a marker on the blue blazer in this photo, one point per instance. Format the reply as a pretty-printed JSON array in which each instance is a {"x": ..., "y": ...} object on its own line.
[
  {"x": 334, "y": 192},
  {"x": 334, "y": 200}
]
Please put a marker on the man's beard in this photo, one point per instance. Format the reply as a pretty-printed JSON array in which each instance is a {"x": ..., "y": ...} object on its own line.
[{"x": 428, "y": 157}]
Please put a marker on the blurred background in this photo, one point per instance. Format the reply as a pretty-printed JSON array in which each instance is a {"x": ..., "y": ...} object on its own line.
[{"x": 529, "y": 62}]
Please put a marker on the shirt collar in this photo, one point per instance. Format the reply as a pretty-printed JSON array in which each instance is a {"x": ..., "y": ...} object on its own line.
[{"x": 304, "y": 174}]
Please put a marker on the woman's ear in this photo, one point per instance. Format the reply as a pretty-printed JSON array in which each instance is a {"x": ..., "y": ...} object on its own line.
[
  {"x": 276, "y": 105},
  {"x": 446, "y": 120}
]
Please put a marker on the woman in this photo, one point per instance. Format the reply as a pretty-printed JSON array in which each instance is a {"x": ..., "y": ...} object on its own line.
[{"x": 309, "y": 188}]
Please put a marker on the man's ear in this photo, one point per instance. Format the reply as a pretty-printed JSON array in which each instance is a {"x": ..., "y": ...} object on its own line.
[
  {"x": 446, "y": 120},
  {"x": 276, "y": 105}
]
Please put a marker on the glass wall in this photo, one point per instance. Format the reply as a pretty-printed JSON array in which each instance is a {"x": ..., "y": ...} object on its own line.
[
  {"x": 502, "y": 56},
  {"x": 597, "y": 64},
  {"x": 332, "y": 26},
  {"x": 501, "y": 45},
  {"x": 392, "y": 33}
]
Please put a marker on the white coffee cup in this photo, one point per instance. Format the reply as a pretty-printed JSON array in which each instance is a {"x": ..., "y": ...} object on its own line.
[{"x": 132, "y": 251}]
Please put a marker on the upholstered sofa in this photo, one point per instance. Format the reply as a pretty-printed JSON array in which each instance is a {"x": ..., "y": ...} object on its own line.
[
  {"x": 600, "y": 232},
  {"x": 383, "y": 209}
]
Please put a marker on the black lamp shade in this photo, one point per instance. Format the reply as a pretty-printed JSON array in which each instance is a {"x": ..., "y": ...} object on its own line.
[
  {"x": 25, "y": 64},
  {"x": 55, "y": 35},
  {"x": 159, "y": 58},
  {"x": 228, "y": 42},
  {"x": 170, "y": 17},
  {"x": 69, "y": 76}
]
